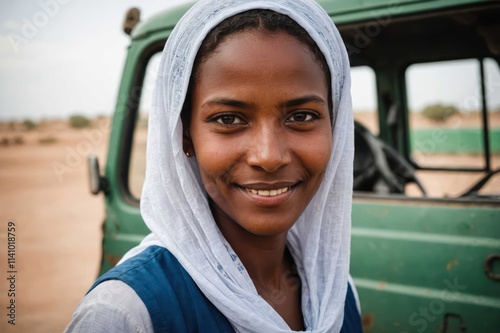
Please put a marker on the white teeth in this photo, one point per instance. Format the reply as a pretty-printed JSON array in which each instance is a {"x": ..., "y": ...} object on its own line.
[{"x": 269, "y": 193}]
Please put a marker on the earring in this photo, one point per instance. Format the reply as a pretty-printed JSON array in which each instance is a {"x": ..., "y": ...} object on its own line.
[{"x": 188, "y": 154}]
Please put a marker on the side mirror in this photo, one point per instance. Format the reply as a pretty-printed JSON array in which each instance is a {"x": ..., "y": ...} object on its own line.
[{"x": 97, "y": 183}]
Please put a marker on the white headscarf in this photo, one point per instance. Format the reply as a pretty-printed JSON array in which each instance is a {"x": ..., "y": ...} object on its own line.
[{"x": 174, "y": 203}]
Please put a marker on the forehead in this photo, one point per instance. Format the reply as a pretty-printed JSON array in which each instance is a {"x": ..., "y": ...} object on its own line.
[
  {"x": 259, "y": 69},
  {"x": 257, "y": 50}
]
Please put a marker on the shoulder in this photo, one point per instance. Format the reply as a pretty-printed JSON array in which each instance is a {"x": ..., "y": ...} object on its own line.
[
  {"x": 112, "y": 306},
  {"x": 114, "y": 303},
  {"x": 152, "y": 260},
  {"x": 159, "y": 292}
]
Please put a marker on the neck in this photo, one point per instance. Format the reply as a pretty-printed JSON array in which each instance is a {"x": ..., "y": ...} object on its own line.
[{"x": 264, "y": 257}]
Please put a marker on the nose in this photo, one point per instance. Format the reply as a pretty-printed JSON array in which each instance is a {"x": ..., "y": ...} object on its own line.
[{"x": 269, "y": 149}]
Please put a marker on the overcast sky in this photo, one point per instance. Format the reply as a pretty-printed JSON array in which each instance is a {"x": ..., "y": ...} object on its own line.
[
  {"x": 72, "y": 63},
  {"x": 62, "y": 57}
]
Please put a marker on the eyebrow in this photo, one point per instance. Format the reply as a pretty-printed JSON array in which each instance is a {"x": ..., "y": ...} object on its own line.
[
  {"x": 241, "y": 104},
  {"x": 304, "y": 100},
  {"x": 226, "y": 102}
]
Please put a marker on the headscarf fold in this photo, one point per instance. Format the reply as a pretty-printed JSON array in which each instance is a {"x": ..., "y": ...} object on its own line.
[{"x": 174, "y": 202}]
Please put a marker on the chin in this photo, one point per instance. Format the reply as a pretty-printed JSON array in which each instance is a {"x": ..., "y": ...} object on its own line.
[{"x": 268, "y": 226}]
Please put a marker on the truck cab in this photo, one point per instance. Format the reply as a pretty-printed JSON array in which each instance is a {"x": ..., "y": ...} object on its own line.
[{"x": 425, "y": 253}]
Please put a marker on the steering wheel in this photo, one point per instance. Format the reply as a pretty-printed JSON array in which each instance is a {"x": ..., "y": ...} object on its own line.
[{"x": 378, "y": 167}]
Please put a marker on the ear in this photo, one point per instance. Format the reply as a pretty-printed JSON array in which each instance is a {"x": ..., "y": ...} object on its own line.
[{"x": 187, "y": 142}]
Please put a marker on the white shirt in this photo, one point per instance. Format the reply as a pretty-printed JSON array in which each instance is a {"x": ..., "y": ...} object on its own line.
[{"x": 111, "y": 307}]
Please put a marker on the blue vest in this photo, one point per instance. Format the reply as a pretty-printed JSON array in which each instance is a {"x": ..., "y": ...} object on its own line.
[{"x": 174, "y": 301}]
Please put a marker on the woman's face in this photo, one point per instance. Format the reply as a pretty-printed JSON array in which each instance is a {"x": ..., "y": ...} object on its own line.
[{"x": 260, "y": 130}]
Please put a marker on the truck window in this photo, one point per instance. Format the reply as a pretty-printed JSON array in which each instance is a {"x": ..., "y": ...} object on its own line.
[
  {"x": 446, "y": 124},
  {"x": 364, "y": 97},
  {"x": 137, "y": 169}
]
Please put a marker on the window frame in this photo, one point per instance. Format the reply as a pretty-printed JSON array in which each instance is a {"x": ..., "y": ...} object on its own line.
[{"x": 134, "y": 96}]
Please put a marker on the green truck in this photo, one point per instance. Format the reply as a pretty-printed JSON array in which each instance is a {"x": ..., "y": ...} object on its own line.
[{"x": 422, "y": 261}]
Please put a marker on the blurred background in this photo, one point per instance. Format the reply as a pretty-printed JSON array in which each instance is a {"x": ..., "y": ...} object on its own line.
[
  {"x": 60, "y": 67},
  {"x": 58, "y": 58}
]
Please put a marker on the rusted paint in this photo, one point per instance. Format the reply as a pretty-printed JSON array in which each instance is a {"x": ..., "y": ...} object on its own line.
[
  {"x": 112, "y": 259},
  {"x": 367, "y": 320},
  {"x": 451, "y": 264}
]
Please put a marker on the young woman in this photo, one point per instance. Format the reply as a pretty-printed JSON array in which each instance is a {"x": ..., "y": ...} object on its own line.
[{"x": 248, "y": 182}]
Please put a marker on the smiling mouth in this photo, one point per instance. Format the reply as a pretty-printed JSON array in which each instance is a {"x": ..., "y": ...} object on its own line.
[{"x": 268, "y": 193}]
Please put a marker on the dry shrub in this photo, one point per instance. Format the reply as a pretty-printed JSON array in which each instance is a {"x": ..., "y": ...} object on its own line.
[
  {"x": 29, "y": 124},
  {"x": 18, "y": 140},
  {"x": 78, "y": 121},
  {"x": 439, "y": 112}
]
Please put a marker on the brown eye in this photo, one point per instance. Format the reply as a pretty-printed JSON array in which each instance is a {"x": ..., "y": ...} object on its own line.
[
  {"x": 228, "y": 119},
  {"x": 302, "y": 117}
]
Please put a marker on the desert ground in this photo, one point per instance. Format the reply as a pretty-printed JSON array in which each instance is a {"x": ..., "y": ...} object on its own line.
[
  {"x": 57, "y": 224},
  {"x": 57, "y": 220}
]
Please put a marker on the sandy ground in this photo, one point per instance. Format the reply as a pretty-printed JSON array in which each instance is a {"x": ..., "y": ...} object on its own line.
[
  {"x": 57, "y": 227},
  {"x": 58, "y": 221}
]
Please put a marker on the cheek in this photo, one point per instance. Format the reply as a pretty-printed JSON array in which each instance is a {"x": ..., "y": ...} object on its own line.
[
  {"x": 214, "y": 162},
  {"x": 315, "y": 152},
  {"x": 212, "y": 151}
]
